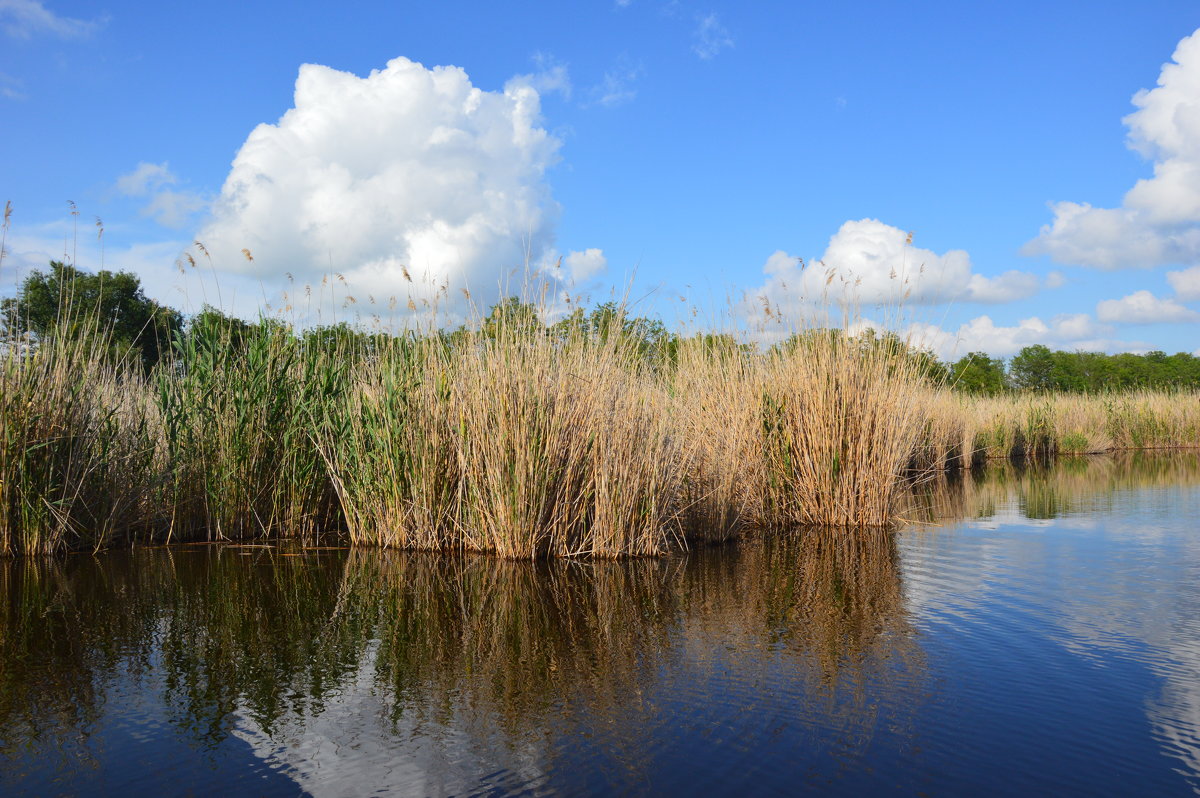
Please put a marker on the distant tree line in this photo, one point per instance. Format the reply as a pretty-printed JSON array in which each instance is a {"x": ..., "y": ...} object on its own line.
[
  {"x": 67, "y": 300},
  {"x": 1039, "y": 368}
]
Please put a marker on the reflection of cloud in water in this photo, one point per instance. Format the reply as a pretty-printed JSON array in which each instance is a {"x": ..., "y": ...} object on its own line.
[
  {"x": 354, "y": 745},
  {"x": 1112, "y": 575},
  {"x": 1176, "y": 712},
  {"x": 539, "y": 672}
]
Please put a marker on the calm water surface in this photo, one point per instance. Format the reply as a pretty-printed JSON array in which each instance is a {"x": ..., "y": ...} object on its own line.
[{"x": 1031, "y": 632}]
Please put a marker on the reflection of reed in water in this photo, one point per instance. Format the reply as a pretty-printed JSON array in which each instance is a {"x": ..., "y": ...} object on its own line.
[
  {"x": 849, "y": 605},
  {"x": 1067, "y": 486},
  {"x": 212, "y": 628},
  {"x": 500, "y": 650},
  {"x": 831, "y": 608},
  {"x": 513, "y": 637},
  {"x": 61, "y": 641}
]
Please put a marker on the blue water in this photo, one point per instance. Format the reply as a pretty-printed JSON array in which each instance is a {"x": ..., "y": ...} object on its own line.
[{"x": 1031, "y": 632}]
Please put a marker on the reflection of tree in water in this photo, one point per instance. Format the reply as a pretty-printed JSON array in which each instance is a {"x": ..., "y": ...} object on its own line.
[
  {"x": 215, "y": 630},
  {"x": 1066, "y": 486},
  {"x": 499, "y": 650},
  {"x": 60, "y": 640}
]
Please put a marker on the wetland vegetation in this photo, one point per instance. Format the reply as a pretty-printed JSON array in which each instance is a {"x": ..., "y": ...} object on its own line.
[{"x": 600, "y": 434}]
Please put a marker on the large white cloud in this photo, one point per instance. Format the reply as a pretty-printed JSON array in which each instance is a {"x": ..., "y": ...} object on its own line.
[
  {"x": 1159, "y": 219},
  {"x": 1142, "y": 307},
  {"x": 870, "y": 262},
  {"x": 408, "y": 171}
]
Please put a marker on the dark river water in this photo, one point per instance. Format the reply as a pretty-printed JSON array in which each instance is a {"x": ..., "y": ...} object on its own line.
[{"x": 1031, "y": 632}]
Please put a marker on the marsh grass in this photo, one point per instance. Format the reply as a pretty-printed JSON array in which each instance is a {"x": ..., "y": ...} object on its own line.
[
  {"x": 1033, "y": 426},
  {"x": 508, "y": 441},
  {"x": 840, "y": 421},
  {"x": 507, "y": 436},
  {"x": 712, "y": 388},
  {"x": 566, "y": 449},
  {"x": 237, "y": 405},
  {"x": 390, "y": 448},
  {"x": 77, "y": 447}
]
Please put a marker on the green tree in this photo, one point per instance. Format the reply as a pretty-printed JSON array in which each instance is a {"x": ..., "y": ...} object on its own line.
[
  {"x": 978, "y": 373},
  {"x": 67, "y": 300},
  {"x": 511, "y": 315},
  {"x": 1034, "y": 368}
]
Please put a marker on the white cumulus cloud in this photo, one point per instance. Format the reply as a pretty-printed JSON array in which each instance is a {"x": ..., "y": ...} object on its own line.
[
  {"x": 584, "y": 265},
  {"x": 1069, "y": 331},
  {"x": 408, "y": 170},
  {"x": 870, "y": 262},
  {"x": 1186, "y": 283},
  {"x": 1159, "y": 220},
  {"x": 1142, "y": 307}
]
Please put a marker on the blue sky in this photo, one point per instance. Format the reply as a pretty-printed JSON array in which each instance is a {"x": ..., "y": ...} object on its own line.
[{"x": 697, "y": 150}]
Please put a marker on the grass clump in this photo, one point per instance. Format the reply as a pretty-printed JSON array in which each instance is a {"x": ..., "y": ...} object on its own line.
[
  {"x": 77, "y": 447},
  {"x": 567, "y": 449},
  {"x": 840, "y": 421},
  {"x": 391, "y": 451},
  {"x": 508, "y": 441},
  {"x": 237, "y": 403}
]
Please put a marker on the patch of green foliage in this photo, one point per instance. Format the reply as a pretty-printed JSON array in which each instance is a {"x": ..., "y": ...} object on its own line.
[{"x": 70, "y": 302}]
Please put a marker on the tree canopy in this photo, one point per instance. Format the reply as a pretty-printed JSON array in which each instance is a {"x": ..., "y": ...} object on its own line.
[
  {"x": 67, "y": 300},
  {"x": 64, "y": 299}
]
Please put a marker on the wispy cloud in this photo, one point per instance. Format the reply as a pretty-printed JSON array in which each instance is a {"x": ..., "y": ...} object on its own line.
[
  {"x": 617, "y": 85},
  {"x": 10, "y": 88},
  {"x": 24, "y": 19},
  {"x": 167, "y": 206},
  {"x": 550, "y": 75},
  {"x": 710, "y": 37}
]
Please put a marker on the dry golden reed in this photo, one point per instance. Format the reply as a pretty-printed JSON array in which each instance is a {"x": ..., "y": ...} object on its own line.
[{"x": 507, "y": 436}]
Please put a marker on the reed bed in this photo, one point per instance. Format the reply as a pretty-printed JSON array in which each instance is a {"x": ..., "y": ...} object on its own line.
[
  {"x": 506, "y": 437},
  {"x": 237, "y": 407},
  {"x": 566, "y": 449},
  {"x": 1023, "y": 426},
  {"x": 78, "y": 448},
  {"x": 726, "y": 477},
  {"x": 840, "y": 421}
]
